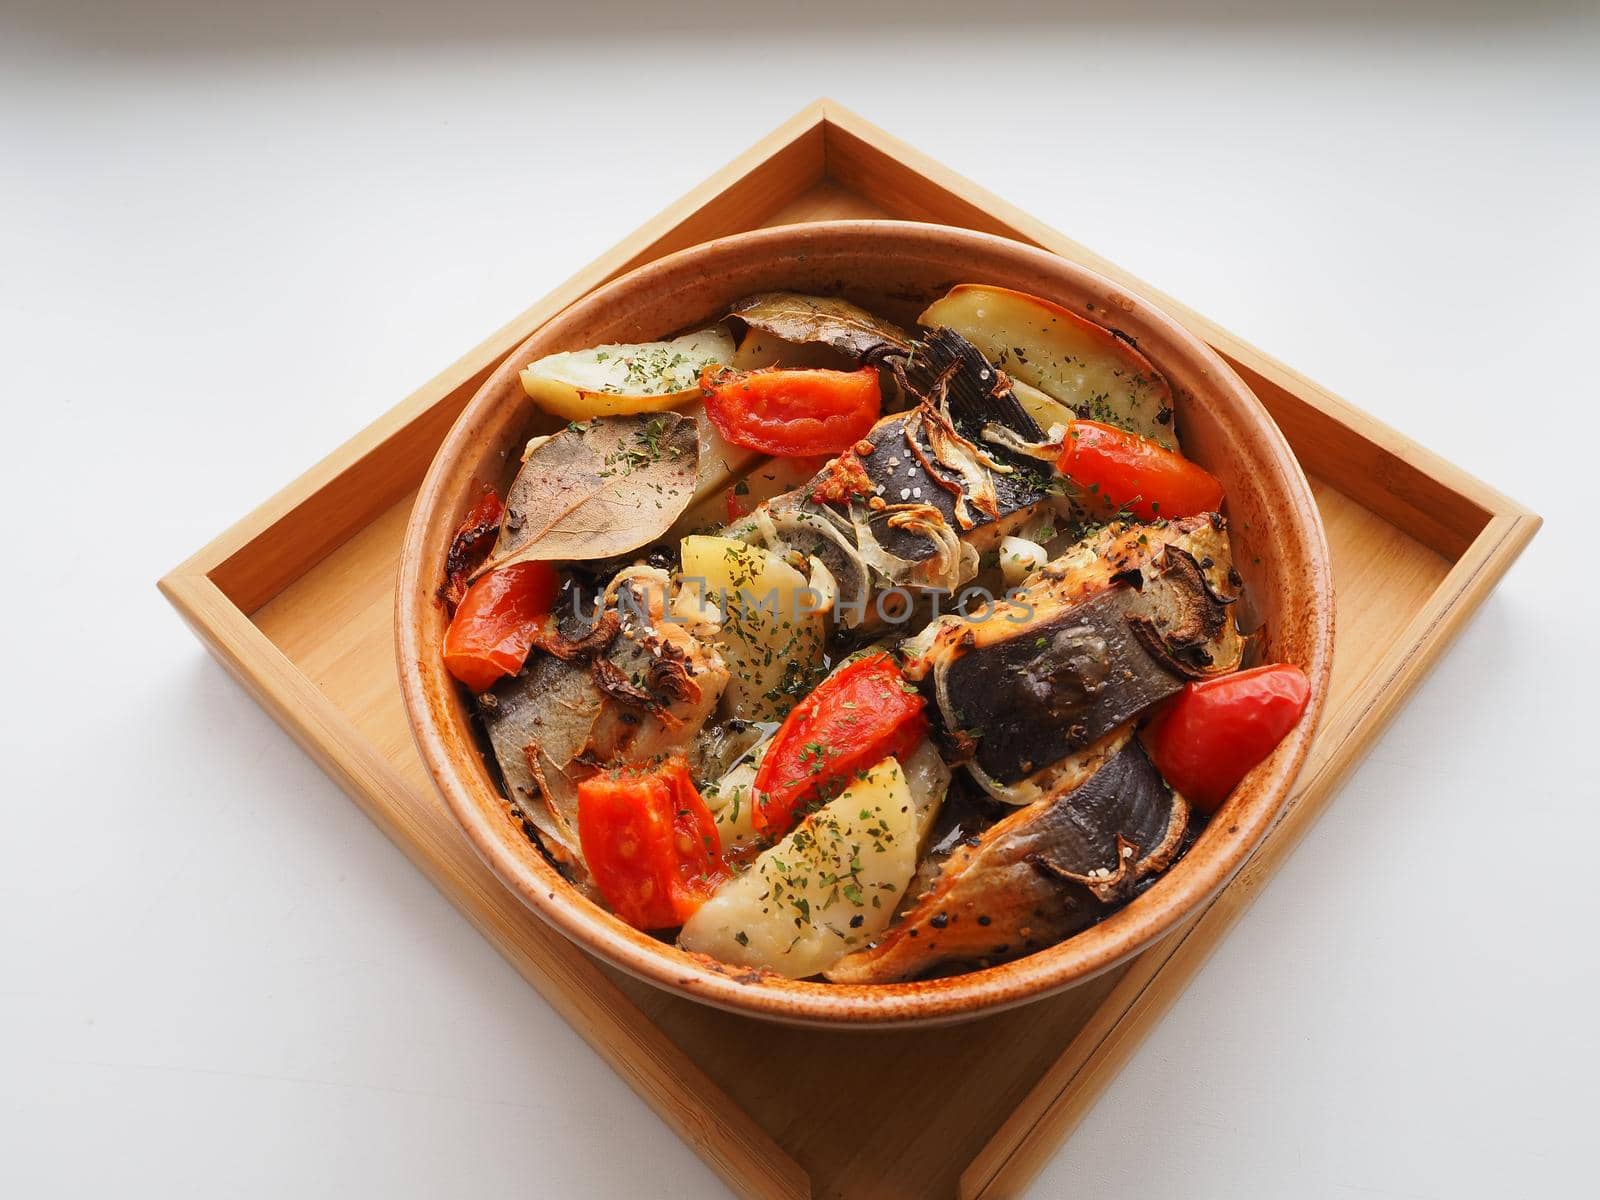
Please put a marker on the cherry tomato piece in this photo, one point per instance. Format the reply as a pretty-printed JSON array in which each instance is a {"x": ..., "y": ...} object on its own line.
[
  {"x": 650, "y": 842},
  {"x": 861, "y": 714},
  {"x": 470, "y": 547},
  {"x": 497, "y": 621},
  {"x": 1124, "y": 471},
  {"x": 1208, "y": 736},
  {"x": 792, "y": 412}
]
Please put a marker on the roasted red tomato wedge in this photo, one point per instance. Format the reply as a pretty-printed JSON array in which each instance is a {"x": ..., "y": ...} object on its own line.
[
  {"x": 858, "y": 716},
  {"x": 792, "y": 413},
  {"x": 1125, "y": 471},
  {"x": 497, "y": 621},
  {"x": 471, "y": 545},
  {"x": 650, "y": 842},
  {"x": 1209, "y": 735}
]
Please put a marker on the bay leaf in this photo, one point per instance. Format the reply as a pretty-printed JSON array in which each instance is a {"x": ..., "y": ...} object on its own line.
[
  {"x": 799, "y": 318},
  {"x": 599, "y": 489}
]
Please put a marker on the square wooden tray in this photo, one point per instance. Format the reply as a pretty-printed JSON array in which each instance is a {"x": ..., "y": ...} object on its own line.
[{"x": 297, "y": 602}]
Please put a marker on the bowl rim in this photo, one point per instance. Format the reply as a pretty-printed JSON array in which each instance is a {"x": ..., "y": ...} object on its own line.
[{"x": 427, "y": 688}]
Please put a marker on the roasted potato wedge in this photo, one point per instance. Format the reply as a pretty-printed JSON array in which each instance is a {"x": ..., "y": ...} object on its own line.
[
  {"x": 627, "y": 377},
  {"x": 773, "y": 631},
  {"x": 825, "y": 890}
]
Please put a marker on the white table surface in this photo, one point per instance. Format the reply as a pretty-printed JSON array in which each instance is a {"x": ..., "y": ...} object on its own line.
[{"x": 227, "y": 242}]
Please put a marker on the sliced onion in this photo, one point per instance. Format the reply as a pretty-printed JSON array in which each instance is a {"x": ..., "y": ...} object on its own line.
[{"x": 1020, "y": 558}]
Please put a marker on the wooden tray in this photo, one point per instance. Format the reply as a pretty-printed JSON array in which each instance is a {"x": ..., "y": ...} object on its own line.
[{"x": 297, "y": 602}]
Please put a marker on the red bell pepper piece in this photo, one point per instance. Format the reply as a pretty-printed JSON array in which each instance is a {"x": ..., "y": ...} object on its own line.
[{"x": 650, "y": 842}]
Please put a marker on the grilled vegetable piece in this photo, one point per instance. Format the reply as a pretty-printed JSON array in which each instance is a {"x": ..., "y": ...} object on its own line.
[
  {"x": 792, "y": 413},
  {"x": 1044, "y": 408},
  {"x": 1116, "y": 470},
  {"x": 626, "y": 377},
  {"x": 862, "y": 713},
  {"x": 650, "y": 843},
  {"x": 772, "y": 631},
  {"x": 825, "y": 889},
  {"x": 469, "y": 549},
  {"x": 498, "y": 621},
  {"x": 1207, "y": 739},
  {"x": 732, "y": 796},
  {"x": 1098, "y": 374},
  {"x": 1043, "y": 873},
  {"x": 824, "y": 320},
  {"x": 1029, "y": 687},
  {"x": 721, "y": 463},
  {"x": 1020, "y": 558},
  {"x": 623, "y": 685},
  {"x": 757, "y": 350},
  {"x": 600, "y": 489}
]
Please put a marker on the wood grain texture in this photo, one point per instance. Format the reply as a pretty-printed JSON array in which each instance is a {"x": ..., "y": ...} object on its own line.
[
  {"x": 296, "y": 601},
  {"x": 723, "y": 1134}
]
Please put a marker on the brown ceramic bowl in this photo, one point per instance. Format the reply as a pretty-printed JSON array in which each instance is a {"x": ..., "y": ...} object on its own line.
[{"x": 893, "y": 268}]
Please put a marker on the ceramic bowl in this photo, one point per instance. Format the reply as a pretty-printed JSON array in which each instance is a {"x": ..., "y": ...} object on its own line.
[{"x": 893, "y": 268}]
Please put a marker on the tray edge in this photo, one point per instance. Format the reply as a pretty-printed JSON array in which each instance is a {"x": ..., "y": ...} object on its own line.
[
  {"x": 1046, "y": 1117},
  {"x": 719, "y": 1131}
]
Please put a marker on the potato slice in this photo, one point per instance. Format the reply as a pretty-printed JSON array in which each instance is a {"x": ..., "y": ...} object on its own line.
[
  {"x": 826, "y": 889},
  {"x": 1100, "y": 376},
  {"x": 721, "y": 462},
  {"x": 1044, "y": 408},
  {"x": 772, "y": 633},
  {"x": 626, "y": 377},
  {"x": 731, "y": 798},
  {"x": 732, "y": 805}
]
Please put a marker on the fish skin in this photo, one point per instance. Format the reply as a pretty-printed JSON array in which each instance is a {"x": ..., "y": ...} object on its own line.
[
  {"x": 966, "y": 665},
  {"x": 553, "y": 724},
  {"x": 1013, "y": 893}
]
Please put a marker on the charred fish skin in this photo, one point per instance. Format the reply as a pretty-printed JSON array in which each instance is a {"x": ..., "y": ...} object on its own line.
[
  {"x": 1089, "y": 644},
  {"x": 924, "y": 505},
  {"x": 1065, "y": 680},
  {"x": 899, "y": 467},
  {"x": 947, "y": 367},
  {"x": 920, "y": 497},
  {"x": 1040, "y": 875},
  {"x": 962, "y": 395},
  {"x": 615, "y": 686},
  {"x": 1058, "y": 687},
  {"x": 537, "y": 722}
]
